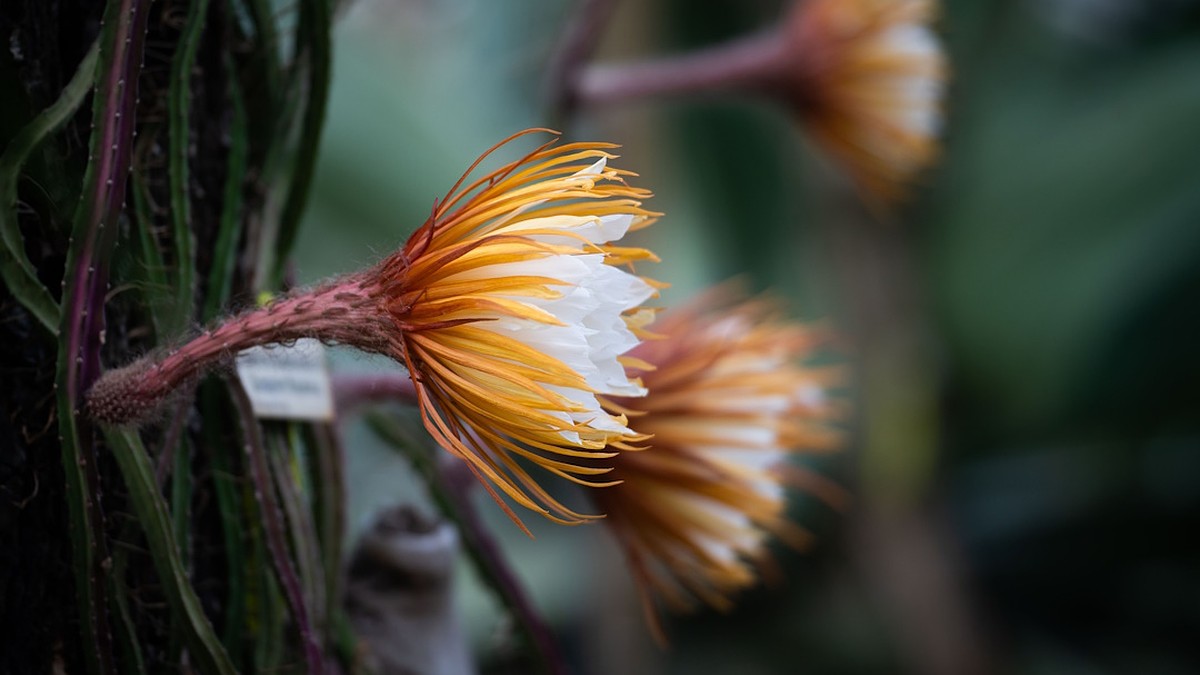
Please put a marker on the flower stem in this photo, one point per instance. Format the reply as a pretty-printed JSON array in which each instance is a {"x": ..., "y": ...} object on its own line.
[
  {"x": 345, "y": 312},
  {"x": 754, "y": 63}
]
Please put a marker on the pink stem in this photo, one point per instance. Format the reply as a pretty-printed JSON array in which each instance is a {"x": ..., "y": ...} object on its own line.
[
  {"x": 346, "y": 313},
  {"x": 752, "y": 63}
]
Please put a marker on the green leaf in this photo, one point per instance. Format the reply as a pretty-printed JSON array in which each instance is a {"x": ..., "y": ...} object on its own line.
[
  {"x": 179, "y": 134},
  {"x": 155, "y": 519},
  {"x": 225, "y": 251},
  {"x": 314, "y": 32},
  {"x": 17, "y": 270}
]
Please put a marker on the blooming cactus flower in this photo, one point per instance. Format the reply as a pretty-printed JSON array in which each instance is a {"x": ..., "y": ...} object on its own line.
[
  {"x": 511, "y": 307},
  {"x": 515, "y": 310}
]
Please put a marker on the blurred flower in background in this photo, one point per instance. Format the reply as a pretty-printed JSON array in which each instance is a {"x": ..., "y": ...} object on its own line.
[
  {"x": 868, "y": 81},
  {"x": 730, "y": 397},
  {"x": 865, "y": 77}
]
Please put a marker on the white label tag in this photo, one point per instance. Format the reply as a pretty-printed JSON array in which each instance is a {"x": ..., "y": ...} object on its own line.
[{"x": 288, "y": 382}]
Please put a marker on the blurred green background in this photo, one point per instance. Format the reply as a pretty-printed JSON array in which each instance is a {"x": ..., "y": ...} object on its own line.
[{"x": 1025, "y": 454}]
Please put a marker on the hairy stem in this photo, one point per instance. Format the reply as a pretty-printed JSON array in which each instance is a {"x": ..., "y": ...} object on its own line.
[{"x": 342, "y": 313}]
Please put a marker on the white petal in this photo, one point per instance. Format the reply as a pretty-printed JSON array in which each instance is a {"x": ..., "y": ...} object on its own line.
[
  {"x": 593, "y": 333},
  {"x": 595, "y": 169},
  {"x": 592, "y": 229}
]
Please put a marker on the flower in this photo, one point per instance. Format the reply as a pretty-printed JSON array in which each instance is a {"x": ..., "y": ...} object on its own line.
[
  {"x": 867, "y": 79},
  {"x": 729, "y": 399},
  {"x": 510, "y": 306},
  {"x": 515, "y": 311}
]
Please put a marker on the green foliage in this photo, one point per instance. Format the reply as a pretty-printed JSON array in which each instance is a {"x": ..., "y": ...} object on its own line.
[
  {"x": 19, "y": 273},
  {"x": 181, "y": 481},
  {"x": 156, "y": 521}
]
